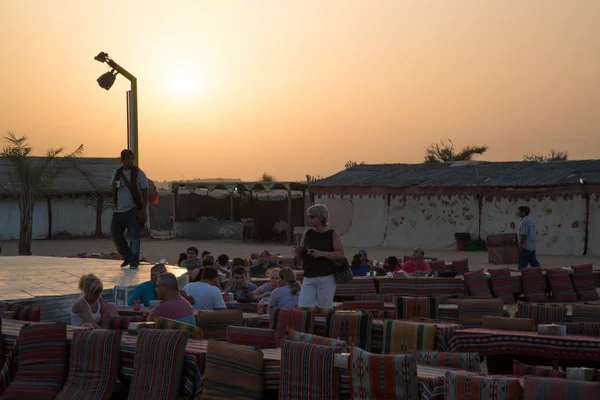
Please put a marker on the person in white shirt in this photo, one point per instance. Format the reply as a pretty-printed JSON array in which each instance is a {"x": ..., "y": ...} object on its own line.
[
  {"x": 280, "y": 230},
  {"x": 527, "y": 239},
  {"x": 205, "y": 295}
]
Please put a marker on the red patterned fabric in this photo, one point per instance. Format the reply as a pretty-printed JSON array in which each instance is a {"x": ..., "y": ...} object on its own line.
[
  {"x": 316, "y": 339},
  {"x": 477, "y": 284},
  {"x": 560, "y": 284},
  {"x": 461, "y": 266},
  {"x": 158, "y": 364},
  {"x": 536, "y": 388},
  {"x": 43, "y": 362},
  {"x": 282, "y": 319},
  {"x": 121, "y": 323},
  {"x": 214, "y": 323},
  {"x": 258, "y": 338},
  {"x": 363, "y": 305},
  {"x": 438, "y": 265},
  {"x": 94, "y": 366},
  {"x": 586, "y": 313},
  {"x": 23, "y": 313},
  {"x": 470, "y": 387},
  {"x": 534, "y": 284},
  {"x": 543, "y": 313},
  {"x": 501, "y": 285},
  {"x": 583, "y": 282},
  {"x": 523, "y": 369}
]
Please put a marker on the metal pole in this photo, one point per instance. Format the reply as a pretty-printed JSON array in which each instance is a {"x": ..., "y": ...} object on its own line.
[
  {"x": 289, "y": 214},
  {"x": 136, "y": 147}
]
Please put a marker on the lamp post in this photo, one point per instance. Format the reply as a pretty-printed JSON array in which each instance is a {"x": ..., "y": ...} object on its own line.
[{"x": 106, "y": 81}]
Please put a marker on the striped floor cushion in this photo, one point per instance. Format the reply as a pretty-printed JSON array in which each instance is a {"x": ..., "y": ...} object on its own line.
[
  {"x": 471, "y": 312},
  {"x": 464, "y": 361},
  {"x": 157, "y": 374},
  {"x": 165, "y": 323},
  {"x": 387, "y": 297},
  {"x": 520, "y": 369},
  {"x": 94, "y": 365},
  {"x": 232, "y": 372},
  {"x": 23, "y": 313},
  {"x": 534, "y": 284},
  {"x": 121, "y": 323},
  {"x": 461, "y": 267},
  {"x": 561, "y": 285},
  {"x": 307, "y": 372},
  {"x": 537, "y": 388},
  {"x": 408, "y": 308},
  {"x": 509, "y": 324},
  {"x": 583, "y": 282},
  {"x": 356, "y": 285},
  {"x": 477, "y": 284},
  {"x": 438, "y": 265},
  {"x": 401, "y": 337},
  {"x": 461, "y": 386},
  {"x": 316, "y": 339},
  {"x": 214, "y": 323},
  {"x": 376, "y": 376},
  {"x": 258, "y": 338},
  {"x": 586, "y": 313},
  {"x": 282, "y": 319},
  {"x": 422, "y": 287},
  {"x": 43, "y": 362},
  {"x": 501, "y": 285},
  {"x": 363, "y": 305},
  {"x": 543, "y": 313},
  {"x": 352, "y": 328},
  {"x": 583, "y": 328}
]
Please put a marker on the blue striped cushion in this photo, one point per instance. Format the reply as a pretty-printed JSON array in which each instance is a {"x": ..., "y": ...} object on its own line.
[
  {"x": 583, "y": 328},
  {"x": 158, "y": 364},
  {"x": 94, "y": 365},
  {"x": 423, "y": 286},
  {"x": 471, "y": 312},
  {"x": 586, "y": 313},
  {"x": 543, "y": 313}
]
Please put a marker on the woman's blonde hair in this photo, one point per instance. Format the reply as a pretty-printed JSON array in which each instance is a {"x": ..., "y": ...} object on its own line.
[
  {"x": 321, "y": 212},
  {"x": 90, "y": 284},
  {"x": 271, "y": 271},
  {"x": 289, "y": 276}
]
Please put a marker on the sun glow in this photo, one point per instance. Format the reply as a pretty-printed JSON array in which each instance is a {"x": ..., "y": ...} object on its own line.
[{"x": 182, "y": 82}]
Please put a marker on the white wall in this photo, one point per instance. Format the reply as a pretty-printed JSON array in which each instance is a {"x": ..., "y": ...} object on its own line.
[
  {"x": 10, "y": 219},
  {"x": 430, "y": 222},
  {"x": 594, "y": 238},
  {"x": 560, "y": 221}
]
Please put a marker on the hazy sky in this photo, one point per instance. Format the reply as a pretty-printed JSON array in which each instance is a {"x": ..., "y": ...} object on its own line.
[{"x": 235, "y": 88}]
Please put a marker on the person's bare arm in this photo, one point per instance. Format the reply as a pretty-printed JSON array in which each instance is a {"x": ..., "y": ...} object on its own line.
[
  {"x": 336, "y": 254},
  {"x": 83, "y": 310}
]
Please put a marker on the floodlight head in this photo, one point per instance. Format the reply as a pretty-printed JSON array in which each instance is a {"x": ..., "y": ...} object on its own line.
[
  {"x": 107, "y": 80},
  {"x": 101, "y": 57}
]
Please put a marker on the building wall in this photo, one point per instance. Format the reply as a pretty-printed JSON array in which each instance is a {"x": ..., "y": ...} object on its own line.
[
  {"x": 594, "y": 239},
  {"x": 10, "y": 219}
]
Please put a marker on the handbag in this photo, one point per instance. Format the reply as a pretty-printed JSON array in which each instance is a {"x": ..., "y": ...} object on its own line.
[{"x": 342, "y": 271}]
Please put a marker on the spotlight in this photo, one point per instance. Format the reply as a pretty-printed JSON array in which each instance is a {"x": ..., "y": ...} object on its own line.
[
  {"x": 107, "y": 80},
  {"x": 101, "y": 57}
]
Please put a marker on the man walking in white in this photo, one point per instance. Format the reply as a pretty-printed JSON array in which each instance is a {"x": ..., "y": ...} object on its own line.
[
  {"x": 527, "y": 239},
  {"x": 130, "y": 197}
]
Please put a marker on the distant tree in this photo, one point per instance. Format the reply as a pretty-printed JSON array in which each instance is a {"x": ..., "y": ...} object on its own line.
[
  {"x": 99, "y": 203},
  {"x": 552, "y": 156},
  {"x": 442, "y": 152},
  {"x": 349, "y": 164},
  {"x": 30, "y": 177},
  {"x": 266, "y": 177},
  {"x": 312, "y": 179}
]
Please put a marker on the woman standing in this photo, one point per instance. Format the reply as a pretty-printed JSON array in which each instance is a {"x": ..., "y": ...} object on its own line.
[{"x": 319, "y": 248}]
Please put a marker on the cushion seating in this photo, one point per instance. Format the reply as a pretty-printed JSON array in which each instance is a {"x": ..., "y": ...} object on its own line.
[
  {"x": 561, "y": 285},
  {"x": 464, "y": 361},
  {"x": 352, "y": 328},
  {"x": 477, "y": 284},
  {"x": 457, "y": 385},
  {"x": 543, "y": 313},
  {"x": 534, "y": 284},
  {"x": 509, "y": 324},
  {"x": 471, "y": 312},
  {"x": 214, "y": 323},
  {"x": 537, "y": 388},
  {"x": 586, "y": 313},
  {"x": 94, "y": 365},
  {"x": 121, "y": 323},
  {"x": 282, "y": 319},
  {"x": 23, "y": 313},
  {"x": 401, "y": 337},
  {"x": 363, "y": 305},
  {"x": 316, "y": 339},
  {"x": 583, "y": 282},
  {"x": 387, "y": 297},
  {"x": 583, "y": 328},
  {"x": 437, "y": 265},
  {"x": 258, "y": 338},
  {"x": 408, "y": 308},
  {"x": 520, "y": 369},
  {"x": 166, "y": 323},
  {"x": 461, "y": 267},
  {"x": 501, "y": 285}
]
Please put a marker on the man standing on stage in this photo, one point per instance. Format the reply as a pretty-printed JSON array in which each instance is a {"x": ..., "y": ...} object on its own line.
[{"x": 130, "y": 197}]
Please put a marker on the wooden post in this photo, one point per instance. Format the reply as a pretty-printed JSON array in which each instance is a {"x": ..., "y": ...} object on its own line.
[
  {"x": 231, "y": 206},
  {"x": 175, "y": 191},
  {"x": 289, "y": 215},
  {"x": 49, "y": 203}
]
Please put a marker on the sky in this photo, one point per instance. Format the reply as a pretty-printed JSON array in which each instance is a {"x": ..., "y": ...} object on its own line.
[{"x": 237, "y": 88}]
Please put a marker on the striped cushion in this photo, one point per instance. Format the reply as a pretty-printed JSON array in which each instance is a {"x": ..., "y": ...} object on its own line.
[
  {"x": 43, "y": 362},
  {"x": 23, "y": 313},
  {"x": 259, "y": 338},
  {"x": 501, "y": 285},
  {"x": 471, "y": 312},
  {"x": 461, "y": 267},
  {"x": 437, "y": 265},
  {"x": 537, "y": 388},
  {"x": 165, "y": 323},
  {"x": 583, "y": 328},
  {"x": 121, "y": 323},
  {"x": 534, "y": 284},
  {"x": 9, "y": 370},
  {"x": 461, "y": 386},
  {"x": 282, "y": 319},
  {"x": 420, "y": 307},
  {"x": 520, "y": 369},
  {"x": 560, "y": 284},
  {"x": 407, "y": 337},
  {"x": 477, "y": 284},
  {"x": 586, "y": 313},
  {"x": 2, "y": 356},
  {"x": 363, "y": 305},
  {"x": 509, "y": 324},
  {"x": 376, "y": 376},
  {"x": 317, "y": 311},
  {"x": 316, "y": 339},
  {"x": 233, "y": 372},
  {"x": 307, "y": 372},
  {"x": 388, "y": 297},
  {"x": 464, "y": 361},
  {"x": 352, "y": 328},
  {"x": 583, "y": 282},
  {"x": 422, "y": 287},
  {"x": 157, "y": 374},
  {"x": 214, "y": 323},
  {"x": 543, "y": 313},
  {"x": 94, "y": 365}
]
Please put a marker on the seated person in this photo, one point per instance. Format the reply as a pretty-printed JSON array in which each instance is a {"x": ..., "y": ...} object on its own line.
[
  {"x": 264, "y": 291},
  {"x": 359, "y": 265},
  {"x": 288, "y": 292},
  {"x": 417, "y": 264},
  {"x": 173, "y": 306},
  {"x": 363, "y": 253},
  {"x": 280, "y": 230},
  {"x": 192, "y": 261},
  {"x": 204, "y": 295},
  {"x": 89, "y": 309},
  {"x": 145, "y": 292},
  {"x": 223, "y": 265},
  {"x": 264, "y": 263},
  {"x": 182, "y": 258},
  {"x": 241, "y": 288}
]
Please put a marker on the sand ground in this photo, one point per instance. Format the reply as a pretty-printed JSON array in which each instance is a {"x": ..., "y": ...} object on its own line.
[{"x": 155, "y": 250}]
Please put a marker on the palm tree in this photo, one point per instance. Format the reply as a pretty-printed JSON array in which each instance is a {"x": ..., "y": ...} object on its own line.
[
  {"x": 30, "y": 177},
  {"x": 266, "y": 177},
  {"x": 99, "y": 203},
  {"x": 442, "y": 152},
  {"x": 349, "y": 164},
  {"x": 553, "y": 156}
]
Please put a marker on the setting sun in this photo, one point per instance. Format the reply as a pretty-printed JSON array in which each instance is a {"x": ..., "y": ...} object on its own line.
[{"x": 183, "y": 82}]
